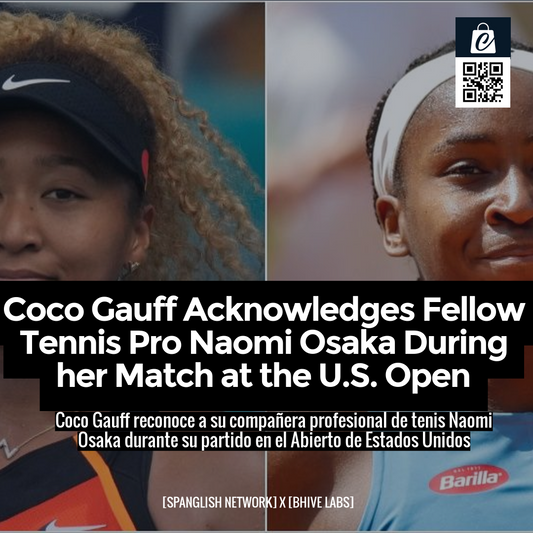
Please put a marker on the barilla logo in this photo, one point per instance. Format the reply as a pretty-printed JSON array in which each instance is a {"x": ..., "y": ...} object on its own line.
[{"x": 468, "y": 479}]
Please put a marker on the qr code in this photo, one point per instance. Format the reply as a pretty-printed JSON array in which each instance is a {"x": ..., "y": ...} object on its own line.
[{"x": 483, "y": 83}]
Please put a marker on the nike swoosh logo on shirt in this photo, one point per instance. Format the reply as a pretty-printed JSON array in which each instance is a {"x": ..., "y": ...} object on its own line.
[
  {"x": 11, "y": 85},
  {"x": 53, "y": 527}
]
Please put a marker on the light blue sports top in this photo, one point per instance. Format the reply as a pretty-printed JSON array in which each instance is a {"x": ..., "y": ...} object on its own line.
[{"x": 489, "y": 487}]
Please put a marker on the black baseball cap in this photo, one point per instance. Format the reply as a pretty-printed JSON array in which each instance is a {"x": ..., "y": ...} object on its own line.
[{"x": 58, "y": 88}]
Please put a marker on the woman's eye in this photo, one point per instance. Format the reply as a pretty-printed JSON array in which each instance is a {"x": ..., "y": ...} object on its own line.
[
  {"x": 464, "y": 170},
  {"x": 62, "y": 194}
]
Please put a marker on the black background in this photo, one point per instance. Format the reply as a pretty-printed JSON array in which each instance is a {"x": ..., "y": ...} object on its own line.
[
  {"x": 313, "y": 397},
  {"x": 463, "y": 35}
]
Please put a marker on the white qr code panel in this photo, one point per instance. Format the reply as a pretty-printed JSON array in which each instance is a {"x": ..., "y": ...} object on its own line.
[{"x": 482, "y": 82}]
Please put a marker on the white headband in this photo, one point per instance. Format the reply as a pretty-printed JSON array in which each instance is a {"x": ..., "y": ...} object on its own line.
[{"x": 402, "y": 102}]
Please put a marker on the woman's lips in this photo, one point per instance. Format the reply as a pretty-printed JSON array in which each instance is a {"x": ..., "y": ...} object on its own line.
[
  {"x": 23, "y": 275},
  {"x": 511, "y": 252}
]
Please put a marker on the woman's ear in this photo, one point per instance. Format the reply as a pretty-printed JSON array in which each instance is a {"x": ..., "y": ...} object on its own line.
[
  {"x": 392, "y": 222},
  {"x": 141, "y": 235}
]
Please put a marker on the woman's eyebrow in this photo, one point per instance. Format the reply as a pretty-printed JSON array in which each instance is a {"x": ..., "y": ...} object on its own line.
[
  {"x": 59, "y": 160},
  {"x": 462, "y": 138}
]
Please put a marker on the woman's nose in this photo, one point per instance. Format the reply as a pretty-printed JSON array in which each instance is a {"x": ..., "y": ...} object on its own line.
[
  {"x": 513, "y": 200},
  {"x": 19, "y": 227}
]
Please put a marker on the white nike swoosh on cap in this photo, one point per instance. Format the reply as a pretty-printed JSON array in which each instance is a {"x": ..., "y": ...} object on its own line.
[
  {"x": 53, "y": 527},
  {"x": 11, "y": 85}
]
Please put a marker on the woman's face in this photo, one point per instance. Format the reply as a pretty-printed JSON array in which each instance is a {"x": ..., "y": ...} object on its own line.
[
  {"x": 466, "y": 210},
  {"x": 64, "y": 209}
]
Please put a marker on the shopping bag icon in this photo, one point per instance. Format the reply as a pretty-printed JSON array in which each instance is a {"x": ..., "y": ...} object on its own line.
[{"x": 483, "y": 41}]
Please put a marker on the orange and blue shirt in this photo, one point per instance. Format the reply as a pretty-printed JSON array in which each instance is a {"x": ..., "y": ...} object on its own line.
[{"x": 58, "y": 487}]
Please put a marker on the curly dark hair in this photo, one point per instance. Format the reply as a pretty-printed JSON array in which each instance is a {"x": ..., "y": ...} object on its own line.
[{"x": 202, "y": 229}]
